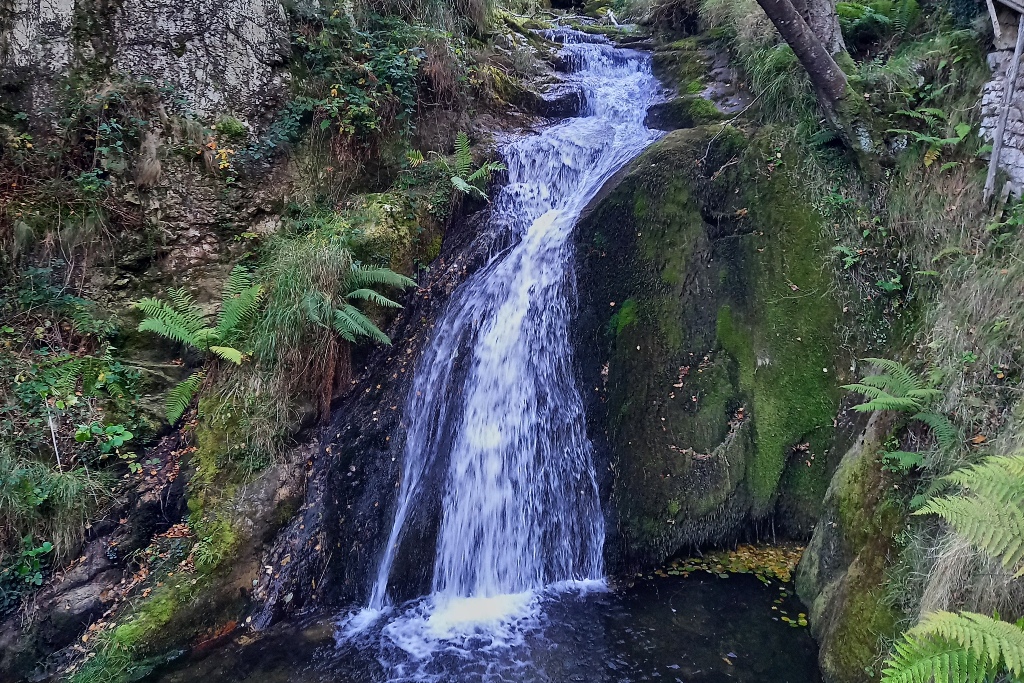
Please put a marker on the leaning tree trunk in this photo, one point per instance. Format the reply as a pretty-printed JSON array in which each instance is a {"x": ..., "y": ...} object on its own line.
[
  {"x": 827, "y": 78},
  {"x": 823, "y": 20}
]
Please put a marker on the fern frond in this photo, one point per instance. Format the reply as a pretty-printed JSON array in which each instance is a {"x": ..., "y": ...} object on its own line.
[
  {"x": 986, "y": 522},
  {"x": 318, "y": 308},
  {"x": 168, "y": 324},
  {"x": 345, "y": 326},
  {"x": 186, "y": 307},
  {"x": 945, "y": 432},
  {"x": 239, "y": 280},
  {"x": 925, "y": 660},
  {"x": 237, "y": 310},
  {"x": 900, "y": 372},
  {"x": 880, "y": 399},
  {"x": 463, "y": 156},
  {"x": 465, "y": 188},
  {"x": 228, "y": 353},
  {"x": 361, "y": 277},
  {"x": 964, "y": 647},
  {"x": 485, "y": 172},
  {"x": 365, "y": 326},
  {"x": 372, "y": 296},
  {"x": 887, "y": 383},
  {"x": 180, "y": 397},
  {"x": 924, "y": 395}
]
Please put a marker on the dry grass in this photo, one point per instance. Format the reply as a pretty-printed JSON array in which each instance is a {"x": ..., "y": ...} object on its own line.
[{"x": 964, "y": 578}]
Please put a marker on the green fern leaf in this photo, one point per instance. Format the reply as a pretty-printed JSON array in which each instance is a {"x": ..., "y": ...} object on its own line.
[
  {"x": 169, "y": 328},
  {"x": 964, "y": 647},
  {"x": 180, "y": 397},
  {"x": 373, "y": 297},
  {"x": 186, "y": 307},
  {"x": 994, "y": 527},
  {"x": 345, "y": 326},
  {"x": 365, "y": 326},
  {"x": 361, "y": 277},
  {"x": 945, "y": 432},
  {"x": 465, "y": 188},
  {"x": 463, "y": 156},
  {"x": 228, "y": 353}
]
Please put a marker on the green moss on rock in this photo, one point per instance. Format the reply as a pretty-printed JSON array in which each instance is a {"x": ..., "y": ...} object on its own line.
[
  {"x": 842, "y": 573},
  {"x": 726, "y": 364}
]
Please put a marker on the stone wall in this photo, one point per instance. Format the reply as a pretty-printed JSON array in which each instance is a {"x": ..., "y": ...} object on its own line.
[{"x": 1011, "y": 159}]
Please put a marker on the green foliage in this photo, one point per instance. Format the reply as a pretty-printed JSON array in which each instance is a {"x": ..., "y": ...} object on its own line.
[
  {"x": 42, "y": 502},
  {"x": 465, "y": 178},
  {"x": 356, "y": 82},
  {"x": 898, "y": 388},
  {"x": 22, "y": 571},
  {"x": 957, "y": 648},
  {"x": 110, "y": 439},
  {"x": 864, "y": 24},
  {"x": 182, "y": 321},
  {"x": 990, "y": 512}
]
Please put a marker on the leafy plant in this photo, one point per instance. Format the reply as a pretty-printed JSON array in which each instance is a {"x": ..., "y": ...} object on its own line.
[
  {"x": 901, "y": 390},
  {"x": 957, "y": 648},
  {"x": 895, "y": 389},
  {"x": 464, "y": 177},
  {"x": 964, "y": 646},
  {"x": 181, "y": 320},
  {"x": 111, "y": 439},
  {"x": 850, "y": 256},
  {"x": 23, "y": 571},
  {"x": 990, "y": 512},
  {"x": 934, "y": 144}
]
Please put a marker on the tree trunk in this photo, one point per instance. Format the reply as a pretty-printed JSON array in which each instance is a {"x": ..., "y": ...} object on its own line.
[
  {"x": 823, "y": 20},
  {"x": 828, "y": 79}
]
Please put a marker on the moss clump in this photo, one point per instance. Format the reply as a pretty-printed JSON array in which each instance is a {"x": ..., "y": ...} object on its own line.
[
  {"x": 855, "y": 644},
  {"x": 231, "y": 128},
  {"x": 624, "y": 317},
  {"x": 703, "y": 111},
  {"x": 681, "y": 63}
]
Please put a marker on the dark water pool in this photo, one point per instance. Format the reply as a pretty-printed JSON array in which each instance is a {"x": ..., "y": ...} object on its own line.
[{"x": 699, "y": 629}]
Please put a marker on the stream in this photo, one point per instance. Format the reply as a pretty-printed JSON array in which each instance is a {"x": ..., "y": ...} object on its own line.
[{"x": 519, "y": 591}]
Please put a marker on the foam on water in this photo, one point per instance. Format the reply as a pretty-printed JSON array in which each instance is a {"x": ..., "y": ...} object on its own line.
[{"x": 521, "y": 516}]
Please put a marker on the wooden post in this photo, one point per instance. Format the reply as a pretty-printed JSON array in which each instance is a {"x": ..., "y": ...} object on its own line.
[
  {"x": 997, "y": 140},
  {"x": 996, "y": 30}
]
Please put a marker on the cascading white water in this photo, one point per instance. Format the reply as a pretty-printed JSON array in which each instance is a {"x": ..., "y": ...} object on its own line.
[{"x": 494, "y": 394}]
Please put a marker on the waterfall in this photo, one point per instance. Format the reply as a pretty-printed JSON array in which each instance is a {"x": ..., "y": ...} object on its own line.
[{"x": 493, "y": 400}]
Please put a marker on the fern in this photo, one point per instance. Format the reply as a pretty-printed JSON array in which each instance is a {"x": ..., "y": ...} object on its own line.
[
  {"x": 961, "y": 648},
  {"x": 463, "y": 156},
  {"x": 360, "y": 277},
  {"x": 464, "y": 178},
  {"x": 180, "y": 397},
  {"x": 372, "y": 297},
  {"x": 240, "y": 300},
  {"x": 991, "y": 515},
  {"x": 899, "y": 389},
  {"x": 182, "y": 321},
  {"x": 945, "y": 431}
]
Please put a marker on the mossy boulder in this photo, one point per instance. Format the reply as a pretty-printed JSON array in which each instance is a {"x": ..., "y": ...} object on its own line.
[
  {"x": 705, "y": 342},
  {"x": 683, "y": 112},
  {"x": 842, "y": 573}
]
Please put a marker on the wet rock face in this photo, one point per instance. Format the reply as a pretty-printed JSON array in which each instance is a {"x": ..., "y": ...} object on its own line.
[
  {"x": 704, "y": 347},
  {"x": 330, "y": 551},
  {"x": 220, "y": 56}
]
